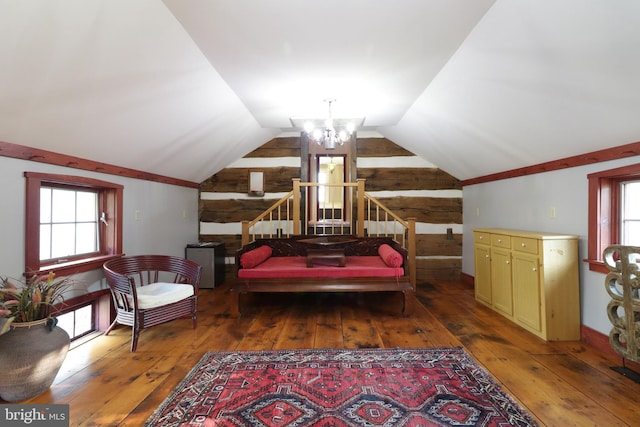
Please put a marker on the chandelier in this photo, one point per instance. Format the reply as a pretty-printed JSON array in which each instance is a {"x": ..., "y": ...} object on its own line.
[{"x": 333, "y": 133}]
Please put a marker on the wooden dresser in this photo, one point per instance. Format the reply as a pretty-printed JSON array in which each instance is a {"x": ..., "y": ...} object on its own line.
[{"x": 530, "y": 278}]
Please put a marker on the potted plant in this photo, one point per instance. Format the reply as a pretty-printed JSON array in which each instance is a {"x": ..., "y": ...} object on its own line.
[{"x": 32, "y": 347}]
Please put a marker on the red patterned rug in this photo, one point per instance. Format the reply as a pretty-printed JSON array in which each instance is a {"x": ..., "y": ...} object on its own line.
[{"x": 362, "y": 387}]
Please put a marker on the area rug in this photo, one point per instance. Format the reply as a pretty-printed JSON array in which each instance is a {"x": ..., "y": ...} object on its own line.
[{"x": 361, "y": 387}]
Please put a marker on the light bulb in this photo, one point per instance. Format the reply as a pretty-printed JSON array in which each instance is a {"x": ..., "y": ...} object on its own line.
[{"x": 308, "y": 127}]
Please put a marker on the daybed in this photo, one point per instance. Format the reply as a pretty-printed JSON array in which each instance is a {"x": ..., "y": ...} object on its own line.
[{"x": 322, "y": 264}]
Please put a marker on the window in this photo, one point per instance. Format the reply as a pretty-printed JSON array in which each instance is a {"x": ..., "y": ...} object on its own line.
[
  {"x": 614, "y": 211},
  {"x": 630, "y": 213},
  {"x": 73, "y": 224},
  {"x": 78, "y": 322},
  {"x": 68, "y": 223}
]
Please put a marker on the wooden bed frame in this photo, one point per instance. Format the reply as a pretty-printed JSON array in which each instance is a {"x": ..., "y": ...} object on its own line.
[{"x": 298, "y": 245}]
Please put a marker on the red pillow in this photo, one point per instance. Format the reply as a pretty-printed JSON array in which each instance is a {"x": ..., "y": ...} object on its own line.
[
  {"x": 255, "y": 256},
  {"x": 390, "y": 256}
]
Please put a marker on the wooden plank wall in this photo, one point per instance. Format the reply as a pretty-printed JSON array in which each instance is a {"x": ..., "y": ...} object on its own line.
[{"x": 407, "y": 184}]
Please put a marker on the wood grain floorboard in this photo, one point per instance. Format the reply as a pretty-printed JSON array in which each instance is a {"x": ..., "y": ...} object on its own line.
[{"x": 559, "y": 383}]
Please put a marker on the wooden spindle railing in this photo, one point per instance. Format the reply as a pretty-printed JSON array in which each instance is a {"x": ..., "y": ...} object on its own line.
[{"x": 285, "y": 219}]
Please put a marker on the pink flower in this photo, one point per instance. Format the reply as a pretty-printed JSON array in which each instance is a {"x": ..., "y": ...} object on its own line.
[
  {"x": 11, "y": 291},
  {"x": 48, "y": 278},
  {"x": 8, "y": 284},
  {"x": 36, "y": 297}
]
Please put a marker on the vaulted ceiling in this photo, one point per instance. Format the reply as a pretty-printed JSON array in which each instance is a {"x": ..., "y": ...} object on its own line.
[{"x": 184, "y": 88}]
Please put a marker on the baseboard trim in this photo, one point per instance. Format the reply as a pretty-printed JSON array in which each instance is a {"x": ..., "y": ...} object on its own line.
[
  {"x": 587, "y": 335},
  {"x": 601, "y": 342},
  {"x": 467, "y": 279}
]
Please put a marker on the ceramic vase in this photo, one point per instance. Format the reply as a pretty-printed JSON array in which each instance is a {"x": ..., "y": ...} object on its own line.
[{"x": 31, "y": 354}]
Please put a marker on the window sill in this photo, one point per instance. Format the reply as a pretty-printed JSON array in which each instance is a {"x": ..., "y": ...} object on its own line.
[
  {"x": 597, "y": 266},
  {"x": 74, "y": 267}
]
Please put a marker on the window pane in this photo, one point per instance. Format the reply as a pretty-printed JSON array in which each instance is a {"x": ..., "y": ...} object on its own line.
[
  {"x": 65, "y": 321},
  {"x": 86, "y": 238},
  {"x": 63, "y": 206},
  {"x": 84, "y": 318},
  {"x": 63, "y": 240},
  {"x": 45, "y": 204},
  {"x": 632, "y": 233},
  {"x": 630, "y": 213},
  {"x": 77, "y": 322},
  {"x": 87, "y": 206},
  {"x": 632, "y": 200},
  {"x": 45, "y": 241},
  {"x": 69, "y": 221}
]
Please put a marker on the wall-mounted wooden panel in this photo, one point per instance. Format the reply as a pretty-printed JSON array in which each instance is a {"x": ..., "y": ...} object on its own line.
[
  {"x": 233, "y": 210},
  {"x": 380, "y": 179},
  {"x": 380, "y": 147},
  {"x": 235, "y": 180},
  {"x": 232, "y": 242},
  {"x": 278, "y": 147},
  {"x": 437, "y": 269},
  {"x": 439, "y": 245},
  {"x": 433, "y": 210},
  {"x": 396, "y": 178}
]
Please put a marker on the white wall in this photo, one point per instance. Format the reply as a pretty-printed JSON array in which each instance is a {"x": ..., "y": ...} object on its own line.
[
  {"x": 168, "y": 217},
  {"x": 525, "y": 203}
]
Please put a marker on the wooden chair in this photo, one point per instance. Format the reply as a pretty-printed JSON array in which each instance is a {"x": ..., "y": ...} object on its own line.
[{"x": 149, "y": 290}]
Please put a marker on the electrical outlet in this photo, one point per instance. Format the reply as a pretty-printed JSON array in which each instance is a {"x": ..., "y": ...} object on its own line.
[
  {"x": 477, "y": 211},
  {"x": 137, "y": 215},
  {"x": 552, "y": 213}
]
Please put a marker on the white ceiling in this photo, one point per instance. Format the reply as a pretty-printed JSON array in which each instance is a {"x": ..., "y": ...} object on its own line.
[{"x": 183, "y": 88}]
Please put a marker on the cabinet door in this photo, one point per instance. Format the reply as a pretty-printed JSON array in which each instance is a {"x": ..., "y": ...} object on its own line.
[
  {"x": 483, "y": 273},
  {"x": 526, "y": 289},
  {"x": 501, "y": 291}
]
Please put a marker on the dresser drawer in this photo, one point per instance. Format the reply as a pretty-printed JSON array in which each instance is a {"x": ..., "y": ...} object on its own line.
[
  {"x": 524, "y": 244},
  {"x": 482, "y": 238},
  {"x": 501, "y": 241}
]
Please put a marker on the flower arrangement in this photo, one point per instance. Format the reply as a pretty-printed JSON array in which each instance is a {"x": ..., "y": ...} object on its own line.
[{"x": 29, "y": 301}]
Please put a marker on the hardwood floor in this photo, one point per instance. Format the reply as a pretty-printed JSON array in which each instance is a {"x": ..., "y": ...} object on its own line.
[{"x": 559, "y": 383}]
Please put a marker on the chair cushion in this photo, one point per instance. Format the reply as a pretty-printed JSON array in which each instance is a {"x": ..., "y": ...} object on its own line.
[
  {"x": 390, "y": 256},
  {"x": 161, "y": 293}
]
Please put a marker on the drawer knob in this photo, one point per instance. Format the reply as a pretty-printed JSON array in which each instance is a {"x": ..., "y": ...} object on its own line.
[
  {"x": 480, "y": 237},
  {"x": 507, "y": 262},
  {"x": 499, "y": 240},
  {"x": 524, "y": 245},
  {"x": 534, "y": 269}
]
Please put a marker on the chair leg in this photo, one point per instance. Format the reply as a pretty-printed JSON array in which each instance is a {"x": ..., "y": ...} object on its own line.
[
  {"x": 134, "y": 340},
  {"x": 135, "y": 334},
  {"x": 110, "y": 328},
  {"x": 194, "y": 312}
]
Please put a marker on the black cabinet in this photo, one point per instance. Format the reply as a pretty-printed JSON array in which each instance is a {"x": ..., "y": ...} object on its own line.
[{"x": 211, "y": 257}]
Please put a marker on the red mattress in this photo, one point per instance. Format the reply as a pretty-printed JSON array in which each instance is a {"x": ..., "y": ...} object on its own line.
[{"x": 355, "y": 266}]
